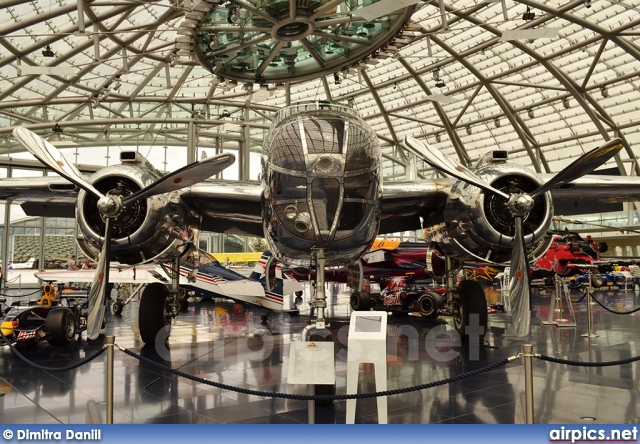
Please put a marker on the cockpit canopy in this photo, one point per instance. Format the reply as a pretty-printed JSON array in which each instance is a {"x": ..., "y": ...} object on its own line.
[{"x": 322, "y": 171}]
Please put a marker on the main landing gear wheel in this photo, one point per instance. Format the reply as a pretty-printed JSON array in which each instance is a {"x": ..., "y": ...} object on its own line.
[
  {"x": 360, "y": 301},
  {"x": 60, "y": 324},
  {"x": 468, "y": 300},
  {"x": 153, "y": 315},
  {"x": 428, "y": 305}
]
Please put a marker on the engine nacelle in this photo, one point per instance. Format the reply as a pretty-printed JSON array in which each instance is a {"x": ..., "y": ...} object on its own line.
[
  {"x": 152, "y": 229},
  {"x": 478, "y": 225}
]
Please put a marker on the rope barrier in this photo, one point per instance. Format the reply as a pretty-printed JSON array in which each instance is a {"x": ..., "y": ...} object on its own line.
[
  {"x": 587, "y": 364},
  {"x": 317, "y": 397},
  {"x": 613, "y": 311}
]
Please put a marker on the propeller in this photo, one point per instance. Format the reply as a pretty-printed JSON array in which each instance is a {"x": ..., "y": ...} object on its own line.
[
  {"x": 519, "y": 205},
  {"x": 110, "y": 206}
]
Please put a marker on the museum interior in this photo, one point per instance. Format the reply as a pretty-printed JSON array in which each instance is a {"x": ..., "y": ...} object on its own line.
[{"x": 319, "y": 212}]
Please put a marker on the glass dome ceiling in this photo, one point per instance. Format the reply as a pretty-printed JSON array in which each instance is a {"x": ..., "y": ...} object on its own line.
[{"x": 545, "y": 81}]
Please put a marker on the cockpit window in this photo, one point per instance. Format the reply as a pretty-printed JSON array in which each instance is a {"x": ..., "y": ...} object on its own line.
[
  {"x": 286, "y": 151},
  {"x": 289, "y": 187},
  {"x": 324, "y": 136},
  {"x": 362, "y": 149},
  {"x": 360, "y": 187},
  {"x": 325, "y": 195}
]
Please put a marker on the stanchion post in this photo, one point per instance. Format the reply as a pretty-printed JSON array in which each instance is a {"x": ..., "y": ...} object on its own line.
[
  {"x": 527, "y": 354},
  {"x": 111, "y": 340},
  {"x": 589, "y": 333}
]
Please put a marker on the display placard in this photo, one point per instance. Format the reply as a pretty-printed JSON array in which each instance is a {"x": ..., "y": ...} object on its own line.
[{"x": 311, "y": 363}]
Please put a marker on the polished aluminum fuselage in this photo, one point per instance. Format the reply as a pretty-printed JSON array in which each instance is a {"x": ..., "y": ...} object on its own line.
[{"x": 321, "y": 184}]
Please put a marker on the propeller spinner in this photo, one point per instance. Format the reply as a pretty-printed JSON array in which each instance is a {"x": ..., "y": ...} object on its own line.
[
  {"x": 111, "y": 205},
  {"x": 519, "y": 205}
]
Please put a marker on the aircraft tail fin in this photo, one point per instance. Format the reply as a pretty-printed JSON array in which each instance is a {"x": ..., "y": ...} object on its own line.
[{"x": 259, "y": 271}]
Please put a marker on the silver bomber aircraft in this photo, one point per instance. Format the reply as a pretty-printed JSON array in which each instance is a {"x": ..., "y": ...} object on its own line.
[{"x": 321, "y": 201}]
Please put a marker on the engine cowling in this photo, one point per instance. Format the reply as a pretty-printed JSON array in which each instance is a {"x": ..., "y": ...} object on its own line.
[
  {"x": 153, "y": 229},
  {"x": 479, "y": 226}
]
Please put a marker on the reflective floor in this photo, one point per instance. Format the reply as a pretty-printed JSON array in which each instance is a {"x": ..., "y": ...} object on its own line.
[{"x": 209, "y": 342}]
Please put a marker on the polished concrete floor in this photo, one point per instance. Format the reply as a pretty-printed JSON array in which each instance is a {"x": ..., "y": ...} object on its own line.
[{"x": 242, "y": 352}]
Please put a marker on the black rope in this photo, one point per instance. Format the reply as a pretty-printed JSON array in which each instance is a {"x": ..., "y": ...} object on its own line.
[
  {"x": 588, "y": 364},
  {"x": 318, "y": 397},
  {"x": 50, "y": 369},
  {"x": 613, "y": 311}
]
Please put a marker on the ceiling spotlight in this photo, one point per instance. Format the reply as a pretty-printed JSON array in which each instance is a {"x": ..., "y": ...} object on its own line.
[
  {"x": 47, "y": 52},
  {"x": 225, "y": 113},
  {"x": 531, "y": 113},
  {"x": 469, "y": 131},
  {"x": 440, "y": 83},
  {"x": 587, "y": 3},
  {"x": 232, "y": 15},
  {"x": 438, "y": 137},
  {"x": 56, "y": 129},
  {"x": 565, "y": 103},
  {"x": 336, "y": 78},
  {"x": 528, "y": 16},
  {"x": 604, "y": 92},
  {"x": 497, "y": 122}
]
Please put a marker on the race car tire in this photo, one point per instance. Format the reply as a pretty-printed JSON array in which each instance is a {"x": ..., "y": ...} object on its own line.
[
  {"x": 360, "y": 301},
  {"x": 428, "y": 305},
  {"x": 153, "y": 315},
  {"x": 597, "y": 280},
  {"x": 117, "y": 307},
  {"x": 468, "y": 300},
  {"x": 60, "y": 325}
]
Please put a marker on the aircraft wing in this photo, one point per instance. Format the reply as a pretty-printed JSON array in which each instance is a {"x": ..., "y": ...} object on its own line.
[
  {"x": 117, "y": 275},
  {"x": 41, "y": 196},
  {"x": 404, "y": 203},
  {"x": 228, "y": 206},
  {"x": 596, "y": 188}
]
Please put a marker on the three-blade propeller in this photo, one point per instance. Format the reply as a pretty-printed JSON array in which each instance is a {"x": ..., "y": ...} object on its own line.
[
  {"x": 519, "y": 204},
  {"x": 111, "y": 205}
]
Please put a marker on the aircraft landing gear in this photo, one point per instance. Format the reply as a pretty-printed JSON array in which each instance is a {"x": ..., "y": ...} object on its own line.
[
  {"x": 319, "y": 331},
  {"x": 467, "y": 304},
  {"x": 159, "y": 305}
]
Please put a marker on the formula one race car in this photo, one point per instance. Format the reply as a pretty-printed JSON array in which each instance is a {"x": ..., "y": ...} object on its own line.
[
  {"x": 54, "y": 318},
  {"x": 402, "y": 295}
]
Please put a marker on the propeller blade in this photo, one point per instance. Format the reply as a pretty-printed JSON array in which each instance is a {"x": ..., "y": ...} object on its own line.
[
  {"x": 185, "y": 177},
  {"x": 581, "y": 166},
  {"x": 51, "y": 157},
  {"x": 519, "y": 284},
  {"x": 444, "y": 163},
  {"x": 99, "y": 287}
]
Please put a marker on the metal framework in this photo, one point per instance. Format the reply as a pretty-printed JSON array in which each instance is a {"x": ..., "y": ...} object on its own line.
[{"x": 467, "y": 76}]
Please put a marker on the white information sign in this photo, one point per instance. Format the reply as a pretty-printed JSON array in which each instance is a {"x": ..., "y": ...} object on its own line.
[{"x": 311, "y": 363}]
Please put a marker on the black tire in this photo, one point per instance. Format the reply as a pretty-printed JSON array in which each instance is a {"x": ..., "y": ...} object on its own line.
[
  {"x": 360, "y": 301},
  {"x": 117, "y": 307},
  {"x": 153, "y": 313},
  {"x": 323, "y": 389},
  {"x": 468, "y": 300},
  {"x": 597, "y": 280},
  {"x": 428, "y": 304},
  {"x": 60, "y": 326}
]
